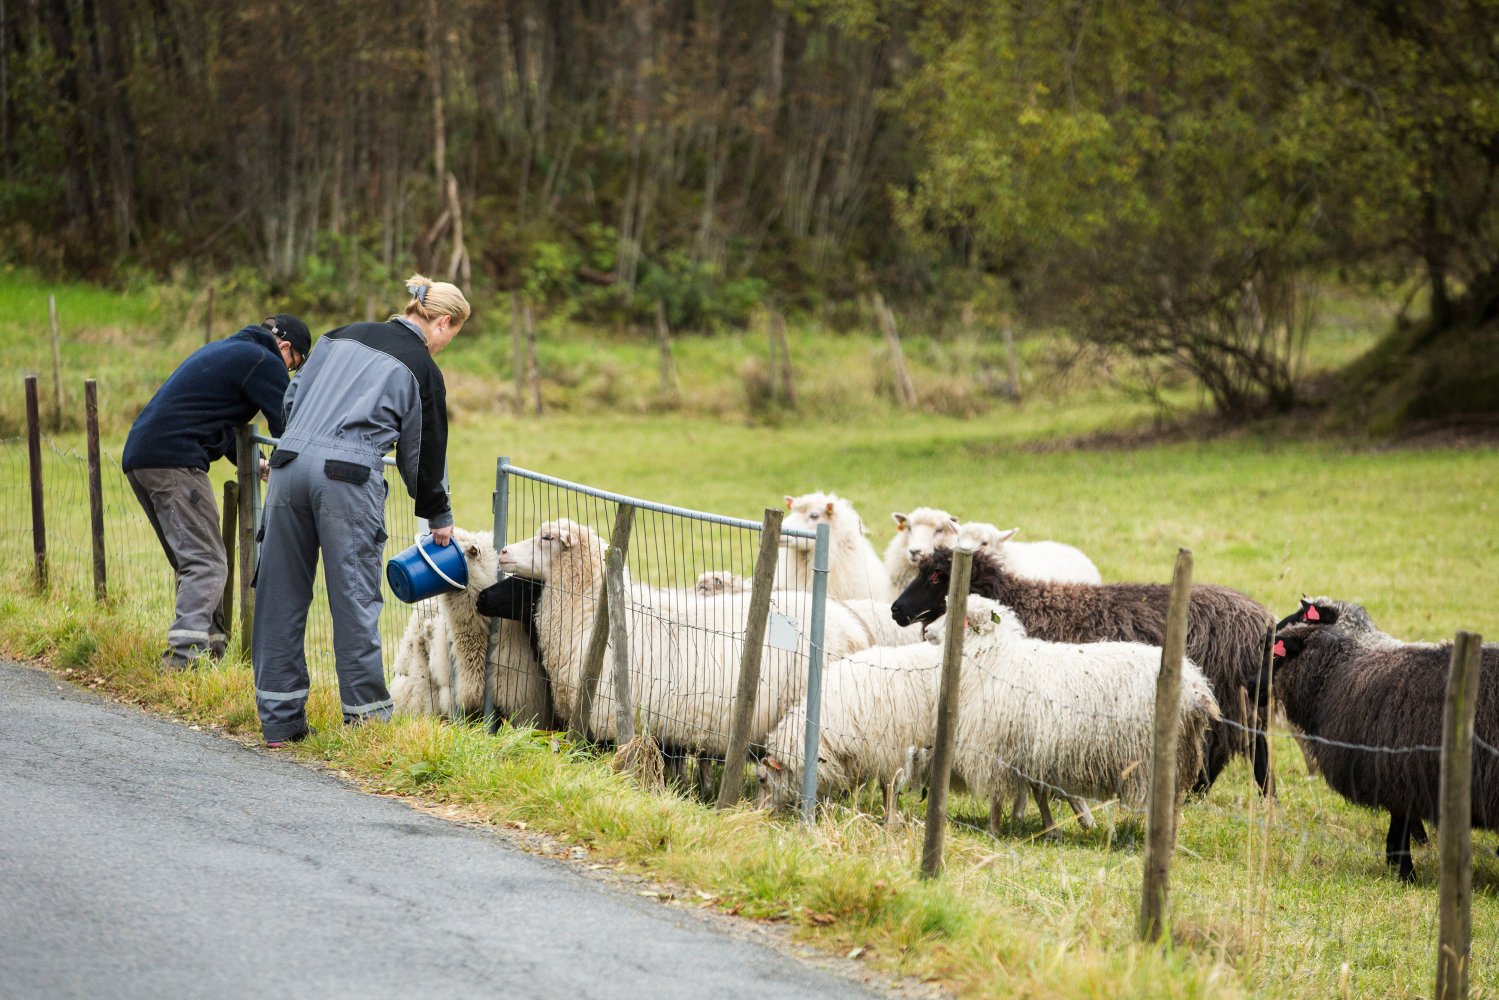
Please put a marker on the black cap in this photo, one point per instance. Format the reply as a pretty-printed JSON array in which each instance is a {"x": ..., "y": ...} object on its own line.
[{"x": 291, "y": 330}]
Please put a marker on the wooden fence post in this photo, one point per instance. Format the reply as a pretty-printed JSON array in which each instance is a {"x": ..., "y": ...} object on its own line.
[
  {"x": 1014, "y": 364},
  {"x": 228, "y": 532},
  {"x": 533, "y": 364},
  {"x": 905, "y": 389},
  {"x": 208, "y": 318},
  {"x": 782, "y": 376},
  {"x": 947, "y": 714},
  {"x": 95, "y": 487},
  {"x": 245, "y": 459},
  {"x": 1455, "y": 819},
  {"x": 56, "y": 365},
  {"x": 732, "y": 785},
  {"x": 38, "y": 513},
  {"x": 517, "y": 354},
  {"x": 598, "y": 641},
  {"x": 670, "y": 390},
  {"x": 619, "y": 640},
  {"x": 1160, "y": 823}
]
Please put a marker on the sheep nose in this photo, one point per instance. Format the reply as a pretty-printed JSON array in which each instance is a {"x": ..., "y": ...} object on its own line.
[{"x": 913, "y": 553}]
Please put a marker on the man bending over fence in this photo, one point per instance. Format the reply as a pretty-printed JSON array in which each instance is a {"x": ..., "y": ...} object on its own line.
[{"x": 188, "y": 424}]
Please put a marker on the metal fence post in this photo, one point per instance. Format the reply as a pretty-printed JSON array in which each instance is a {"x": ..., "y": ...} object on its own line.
[
  {"x": 749, "y": 662},
  {"x": 1160, "y": 824},
  {"x": 598, "y": 641},
  {"x": 619, "y": 639},
  {"x": 947, "y": 715},
  {"x": 1455, "y": 819},
  {"x": 814, "y": 674},
  {"x": 95, "y": 488},
  {"x": 38, "y": 512},
  {"x": 248, "y": 471},
  {"x": 500, "y": 506}
]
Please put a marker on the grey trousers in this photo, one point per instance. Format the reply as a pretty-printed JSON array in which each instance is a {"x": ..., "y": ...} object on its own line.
[
  {"x": 311, "y": 504},
  {"x": 181, "y": 508}
]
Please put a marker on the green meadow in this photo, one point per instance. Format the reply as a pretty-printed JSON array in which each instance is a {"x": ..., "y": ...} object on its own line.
[{"x": 1290, "y": 898}]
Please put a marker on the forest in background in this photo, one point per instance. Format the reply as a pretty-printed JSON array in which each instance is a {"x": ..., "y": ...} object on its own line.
[{"x": 1174, "y": 182}]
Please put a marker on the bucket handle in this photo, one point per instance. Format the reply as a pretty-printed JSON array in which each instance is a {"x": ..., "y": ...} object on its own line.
[{"x": 428, "y": 560}]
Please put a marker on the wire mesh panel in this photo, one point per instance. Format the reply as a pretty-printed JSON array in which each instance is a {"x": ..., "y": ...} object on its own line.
[{"x": 688, "y": 595}]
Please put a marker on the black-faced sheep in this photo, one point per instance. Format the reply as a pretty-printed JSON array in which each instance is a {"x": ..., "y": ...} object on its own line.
[
  {"x": 684, "y": 658},
  {"x": 1339, "y": 689},
  {"x": 1226, "y": 632},
  {"x": 450, "y": 625},
  {"x": 854, "y": 571},
  {"x": 916, "y": 534},
  {"x": 1036, "y": 560}
]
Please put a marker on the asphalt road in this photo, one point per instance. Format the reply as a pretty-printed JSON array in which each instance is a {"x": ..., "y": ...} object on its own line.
[{"x": 139, "y": 858}]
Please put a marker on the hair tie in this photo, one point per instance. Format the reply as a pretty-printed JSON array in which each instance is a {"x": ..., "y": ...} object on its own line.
[{"x": 419, "y": 292}]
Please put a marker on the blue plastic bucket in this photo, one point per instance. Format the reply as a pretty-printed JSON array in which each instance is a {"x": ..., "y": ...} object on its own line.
[{"x": 426, "y": 570}]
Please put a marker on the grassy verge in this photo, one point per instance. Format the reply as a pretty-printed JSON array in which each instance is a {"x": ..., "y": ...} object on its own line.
[{"x": 846, "y": 883}]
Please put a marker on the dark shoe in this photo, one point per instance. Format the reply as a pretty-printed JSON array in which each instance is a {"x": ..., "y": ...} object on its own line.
[
  {"x": 172, "y": 663},
  {"x": 288, "y": 740}
]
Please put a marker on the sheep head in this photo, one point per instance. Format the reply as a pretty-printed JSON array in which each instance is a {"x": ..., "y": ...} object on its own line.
[
  {"x": 806, "y": 512},
  {"x": 925, "y": 530},
  {"x": 984, "y": 536},
  {"x": 535, "y": 557},
  {"x": 982, "y": 616},
  {"x": 1347, "y": 615},
  {"x": 479, "y": 554},
  {"x": 716, "y": 582},
  {"x": 780, "y": 784},
  {"x": 925, "y": 598}
]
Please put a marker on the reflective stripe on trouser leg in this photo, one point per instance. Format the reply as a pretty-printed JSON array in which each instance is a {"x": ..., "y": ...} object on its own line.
[
  {"x": 351, "y": 518},
  {"x": 283, "y": 591},
  {"x": 186, "y": 518}
]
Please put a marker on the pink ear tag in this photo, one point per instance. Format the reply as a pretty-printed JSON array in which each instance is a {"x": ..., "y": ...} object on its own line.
[
  {"x": 1312, "y": 614},
  {"x": 1279, "y": 649}
]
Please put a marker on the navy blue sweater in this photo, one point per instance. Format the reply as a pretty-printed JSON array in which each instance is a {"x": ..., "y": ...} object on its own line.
[{"x": 190, "y": 421}]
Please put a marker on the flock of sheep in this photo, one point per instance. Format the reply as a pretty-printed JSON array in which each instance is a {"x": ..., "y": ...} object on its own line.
[{"x": 1058, "y": 682}]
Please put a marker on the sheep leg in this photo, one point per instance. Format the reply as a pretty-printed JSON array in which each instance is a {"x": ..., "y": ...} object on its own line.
[
  {"x": 1418, "y": 831},
  {"x": 1397, "y": 847},
  {"x": 996, "y": 812},
  {"x": 892, "y": 798},
  {"x": 705, "y": 777},
  {"x": 1043, "y": 802},
  {"x": 1262, "y": 776},
  {"x": 1017, "y": 808},
  {"x": 1084, "y": 814},
  {"x": 676, "y": 770}
]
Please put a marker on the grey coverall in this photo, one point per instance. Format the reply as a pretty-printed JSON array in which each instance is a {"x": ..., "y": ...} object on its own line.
[{"x": 364, "y": 389}]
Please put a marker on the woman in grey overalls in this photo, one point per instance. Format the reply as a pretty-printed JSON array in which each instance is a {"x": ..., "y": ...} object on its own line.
[{"x": 364, "y": 389}]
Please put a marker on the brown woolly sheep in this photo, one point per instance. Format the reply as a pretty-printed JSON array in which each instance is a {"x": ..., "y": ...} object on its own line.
[
  {"x": 1338, "y": 688},
  {"x": 1226, "y": 633}
]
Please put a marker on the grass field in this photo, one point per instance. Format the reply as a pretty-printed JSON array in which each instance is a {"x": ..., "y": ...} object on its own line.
[{"x": 1288, "y": 900}]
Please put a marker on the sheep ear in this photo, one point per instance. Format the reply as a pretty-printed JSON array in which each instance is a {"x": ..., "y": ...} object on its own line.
[
  {"x": 1005, "y": 536},
  {"x": 955, "y": 523},
  {"x": 473, "y": 550},
  {"x": 789, "y": 499},
  {"x": 995, "y": 617},
  {"x": 1312, "y": 614},
  {"x": 830, "y": 508},
  {"x": 899, "y": 519},
  {"x": 773, "y": 764},
  {"x": 565, "y": 536}
]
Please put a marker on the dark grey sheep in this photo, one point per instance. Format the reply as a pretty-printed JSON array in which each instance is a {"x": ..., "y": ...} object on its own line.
[
  {"x": 1335, "y": 686},
  {"x": 1227, "y": 633}
]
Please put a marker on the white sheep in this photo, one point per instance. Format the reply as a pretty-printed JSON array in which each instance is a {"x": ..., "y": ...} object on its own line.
[
  {"x": 854, "y": 571},
  {"x": 1033, "y": 560},
  {"x": 1068, "y": 716},
  {"x": 916, "y": 534},
  {"x": 684, "y": 655},
  {"x": 878, "y": 710},
  {"x": 448, "y": 625},
  {"x": 1033, "y": 715}
]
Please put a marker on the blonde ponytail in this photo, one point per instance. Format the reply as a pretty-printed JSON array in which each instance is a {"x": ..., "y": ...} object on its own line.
[{"x": 432, "y": 299}]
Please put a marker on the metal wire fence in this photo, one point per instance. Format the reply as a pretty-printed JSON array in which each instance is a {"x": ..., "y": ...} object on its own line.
[{"x": 138, "y": 575}]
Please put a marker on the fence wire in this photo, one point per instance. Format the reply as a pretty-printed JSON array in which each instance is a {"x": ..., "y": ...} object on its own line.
[
  {"x": 138, "y": 576},
  {"x": 1293, "y": 890}
]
